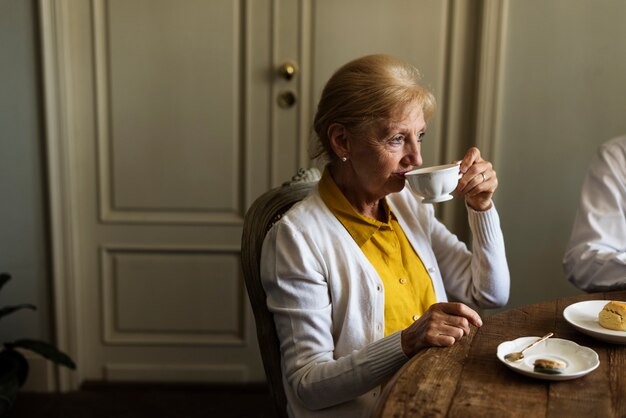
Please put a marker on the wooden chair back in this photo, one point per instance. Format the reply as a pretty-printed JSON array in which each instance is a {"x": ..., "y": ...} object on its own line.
[{"x": 264, "y": 212}]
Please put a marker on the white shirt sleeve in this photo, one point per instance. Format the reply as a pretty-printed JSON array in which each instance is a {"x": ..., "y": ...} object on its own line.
[{"x": 595, "y": 258}]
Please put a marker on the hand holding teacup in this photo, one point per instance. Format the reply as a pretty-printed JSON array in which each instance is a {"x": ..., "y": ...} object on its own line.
[
  {"x": 472, "y": 177},
  {"x": 478, "y": 181},
  {"x": 434, "y": 184}
]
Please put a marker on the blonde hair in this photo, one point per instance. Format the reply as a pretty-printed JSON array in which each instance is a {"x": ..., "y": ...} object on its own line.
[{"x": 363, "y": 91}]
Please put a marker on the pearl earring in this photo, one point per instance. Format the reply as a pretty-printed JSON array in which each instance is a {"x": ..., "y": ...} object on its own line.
[{"x": 344, "y": 159}]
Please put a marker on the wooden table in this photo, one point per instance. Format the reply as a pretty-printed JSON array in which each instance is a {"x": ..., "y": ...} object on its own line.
[{"x": 468, "y": 380}]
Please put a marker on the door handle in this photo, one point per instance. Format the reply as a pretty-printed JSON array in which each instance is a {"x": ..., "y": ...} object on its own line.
[{"x": 288, "y": 70}]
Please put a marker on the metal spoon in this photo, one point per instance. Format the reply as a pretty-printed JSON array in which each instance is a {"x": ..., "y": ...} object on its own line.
[{"x": 518, "y": 355}]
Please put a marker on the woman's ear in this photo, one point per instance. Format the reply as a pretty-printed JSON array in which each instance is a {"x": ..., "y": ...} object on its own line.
[{"x": 338, "y": 138}]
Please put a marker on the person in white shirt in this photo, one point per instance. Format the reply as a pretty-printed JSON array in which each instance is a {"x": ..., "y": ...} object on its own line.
[
  {"x": 358, "y": 274},
  {"x": 595, "y": 258}
]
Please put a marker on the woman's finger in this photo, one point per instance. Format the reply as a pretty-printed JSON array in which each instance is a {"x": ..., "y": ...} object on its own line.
[
  {"x": 471, "y": 156},
  {"x": 477, "y": 173},
  {"x": 461, "y": 310}
]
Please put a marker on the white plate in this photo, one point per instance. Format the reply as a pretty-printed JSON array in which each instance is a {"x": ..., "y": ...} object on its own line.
[
  {"x": 579, "y": 360},
  {"x": 584, "y": 317}
]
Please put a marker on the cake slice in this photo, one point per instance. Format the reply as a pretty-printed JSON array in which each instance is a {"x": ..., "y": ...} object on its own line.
[{"x": 549, "y": 366}]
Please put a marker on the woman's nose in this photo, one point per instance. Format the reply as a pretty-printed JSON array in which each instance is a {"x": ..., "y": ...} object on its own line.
[{"x": 414, "y": 155}]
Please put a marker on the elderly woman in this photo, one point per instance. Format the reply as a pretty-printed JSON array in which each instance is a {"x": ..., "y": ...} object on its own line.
[{"x": 359, "y": 273}]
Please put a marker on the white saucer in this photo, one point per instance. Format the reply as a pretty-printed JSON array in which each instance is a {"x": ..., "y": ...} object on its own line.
[
  {"x": 584, "y": 317},
  {"x": 579, "y": 360},
  {"x": 438, "y": 199}
]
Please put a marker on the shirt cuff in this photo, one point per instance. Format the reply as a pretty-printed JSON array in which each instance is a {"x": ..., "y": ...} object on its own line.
[
  {"x": 386, "y": 355},
  {"x": 485, "y": 225}
]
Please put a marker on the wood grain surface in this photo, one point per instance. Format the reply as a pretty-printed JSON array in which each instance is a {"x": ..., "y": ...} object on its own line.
[{"x": 468, "y": 380}]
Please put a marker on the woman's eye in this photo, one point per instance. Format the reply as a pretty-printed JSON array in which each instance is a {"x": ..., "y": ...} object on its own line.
[
  {"x": 421, "y": 136},
  {"x": 398, "y": 139}
]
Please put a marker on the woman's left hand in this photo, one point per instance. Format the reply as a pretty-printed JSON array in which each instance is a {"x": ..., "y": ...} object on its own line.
[{"x": 479, "y": 180}]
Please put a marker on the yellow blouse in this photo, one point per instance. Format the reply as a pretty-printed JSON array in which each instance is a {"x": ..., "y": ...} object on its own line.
[{"x": 408, "y": 291}]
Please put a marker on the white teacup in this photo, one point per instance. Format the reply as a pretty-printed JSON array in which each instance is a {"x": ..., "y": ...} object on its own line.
[{"x": 435, "y": 183}]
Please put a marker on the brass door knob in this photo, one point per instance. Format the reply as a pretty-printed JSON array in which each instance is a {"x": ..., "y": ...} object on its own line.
[{"x": 288, "y": 70}]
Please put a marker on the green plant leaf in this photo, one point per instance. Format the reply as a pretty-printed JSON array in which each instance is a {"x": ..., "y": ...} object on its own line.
[
  {"x": 44, "y": 349},
  {"x": 4, "y": 277},
  {"x": 9, "y": 382},
  {"x": 13, "y": 362},
  {"x": 7, "y": 310},
  {"x": 9, "y": 389}
]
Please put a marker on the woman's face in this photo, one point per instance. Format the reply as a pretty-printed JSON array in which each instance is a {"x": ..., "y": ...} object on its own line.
[{"x": 387, "y": 152}]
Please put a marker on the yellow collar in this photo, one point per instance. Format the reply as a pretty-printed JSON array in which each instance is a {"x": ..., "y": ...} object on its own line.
[{"x": 360, "y": 227}]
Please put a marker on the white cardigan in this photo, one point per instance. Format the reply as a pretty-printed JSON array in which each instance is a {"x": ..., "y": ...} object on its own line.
[{"x": 328, "y": 300}]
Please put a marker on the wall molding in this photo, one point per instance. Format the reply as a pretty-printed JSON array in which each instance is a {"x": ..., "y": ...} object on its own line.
[
  {"x": 472, "y": 108},
  {"x": 57, "y": 94},
  {"x": 456, "y": 131},
  {"x": 114, "y": 336},
  {"x": 109, "y": 213},
  {"x": 489, "y": 77}
]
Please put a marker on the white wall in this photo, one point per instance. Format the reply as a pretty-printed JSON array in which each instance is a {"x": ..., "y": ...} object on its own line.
[
  {"x": 562, "y": 93},
  {"x": 22, "y": 230}
]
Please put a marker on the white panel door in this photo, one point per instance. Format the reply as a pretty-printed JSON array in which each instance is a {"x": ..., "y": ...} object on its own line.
[
  {"x": 165, "y": 153},
  {"x": 171, "y": 125}
]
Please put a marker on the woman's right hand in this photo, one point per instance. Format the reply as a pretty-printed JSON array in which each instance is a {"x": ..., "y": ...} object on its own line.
[{"x": 442, "y": 325}]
